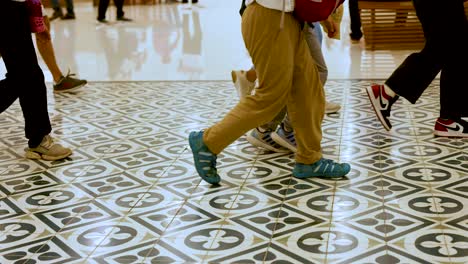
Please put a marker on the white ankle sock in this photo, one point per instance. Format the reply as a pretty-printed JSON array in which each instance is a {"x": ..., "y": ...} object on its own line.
[{"x": 389, "y": 91}]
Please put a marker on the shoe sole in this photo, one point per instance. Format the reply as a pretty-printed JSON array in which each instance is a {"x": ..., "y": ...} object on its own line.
[
  {"x": 450, "y": 134},
  {"x": 259, "y": 143},
  {"x": 280, "y": 141},
  {"x": 327, "y": 176},
  {"x": 71, "y": 89},
  {"x": 377, "y": 113},
  {"x": 36, "y": 156},
  {"x": 332, "y": 111}
]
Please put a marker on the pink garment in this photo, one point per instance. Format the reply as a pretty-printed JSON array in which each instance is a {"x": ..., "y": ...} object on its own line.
[{"x": 36, "y": 20}]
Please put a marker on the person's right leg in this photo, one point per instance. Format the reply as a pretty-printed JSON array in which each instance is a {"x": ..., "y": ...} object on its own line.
[
  {"x": 284, "y": 135},
  {"x": 355, "y": 20},
  {"x": 70, "y": 10},
  {"x": 306, "y": 107},
  {"x": 102, "y": 9},
  {"x": 25, "y": 77}
]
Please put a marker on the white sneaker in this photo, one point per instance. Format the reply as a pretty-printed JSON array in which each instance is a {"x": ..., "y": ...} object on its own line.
[
  {"x": 265, "y": 141},
  {"x": 331, "y": 108},
  {"x": 48, "y": 150},
  {"x": 243, "y": 86}
]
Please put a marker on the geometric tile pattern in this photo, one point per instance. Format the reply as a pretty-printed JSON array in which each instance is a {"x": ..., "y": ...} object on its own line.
[{"x": 130, "y": 193}]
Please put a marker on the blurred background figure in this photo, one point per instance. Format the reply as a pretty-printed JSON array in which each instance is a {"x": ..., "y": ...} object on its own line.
[
  {"x": 102, "y": 9},
  {"x": 58, "y": 10}
]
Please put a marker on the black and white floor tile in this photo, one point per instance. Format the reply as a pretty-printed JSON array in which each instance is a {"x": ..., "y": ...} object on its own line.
[{"x": 130, "y": 194}]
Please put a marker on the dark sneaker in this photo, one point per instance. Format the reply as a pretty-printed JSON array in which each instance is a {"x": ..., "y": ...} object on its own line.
[
  {"x": 451, "y": 128},
  {"x": 382, "y": 103},
  {"x": 204, "y": 159},
  {"x": 55, "y": 15},
  {"x": 355, "y": 37},
  {"x": 284, "y": 138},
  {"x": 69, "y": 16},
  {"x": 265, "y": 141},
  {"x": 322, "y": 168},
  {"x": 48, "y": 150},
  {"x": 124, "y": 19},
  {"x": 69, "y": 84},
  {"x": 103, "y": 20}
]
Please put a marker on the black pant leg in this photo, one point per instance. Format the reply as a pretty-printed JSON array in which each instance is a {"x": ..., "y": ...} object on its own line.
[
  {"x": 9, "y": 96},
  {"x": 119, "y": 6},
  {"x": 440, "y": 24},
  {"x": 453, "y": 77},
  {"x": 419, "y": 69},
  {"x": 25, "y": 79},
  {"x": 102, "y": 9},
  {"x": 355, "y": 19}
]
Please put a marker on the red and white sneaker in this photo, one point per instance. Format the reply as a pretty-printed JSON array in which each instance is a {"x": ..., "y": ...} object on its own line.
[
  {"x": 451, "y": 128},
  {"x": 381, "y": 102}
]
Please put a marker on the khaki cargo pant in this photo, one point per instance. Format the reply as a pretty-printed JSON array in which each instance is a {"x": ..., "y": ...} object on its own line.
[{"x": 287, "y": 76}]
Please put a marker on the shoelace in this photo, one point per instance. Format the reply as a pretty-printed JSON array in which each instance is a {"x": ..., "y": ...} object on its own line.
[
  {"x": 210, "y": 160},
  {"x": 329, "y": 164},
  {"x": 69, "y": 74},
  {"x": 49, "y": 143}
]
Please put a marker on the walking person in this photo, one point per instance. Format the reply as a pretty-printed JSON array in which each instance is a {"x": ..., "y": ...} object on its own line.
[
  {"x": 287, "y": 77},
  {"x": 445, "y": 28},
  {"x": 25, "y": 81},
  {"x": 278, "y": 134},
  {"x": 102, "y": 9}
]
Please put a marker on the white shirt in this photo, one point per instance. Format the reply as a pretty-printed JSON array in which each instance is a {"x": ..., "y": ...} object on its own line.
[{"x": 274, "y": 4}]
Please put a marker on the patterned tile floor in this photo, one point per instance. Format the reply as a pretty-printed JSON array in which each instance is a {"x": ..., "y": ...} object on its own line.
[{"x": 130, "y": 194}]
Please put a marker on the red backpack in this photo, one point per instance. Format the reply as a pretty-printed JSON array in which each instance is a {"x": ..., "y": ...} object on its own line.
[{"x": 315, "y": 10}]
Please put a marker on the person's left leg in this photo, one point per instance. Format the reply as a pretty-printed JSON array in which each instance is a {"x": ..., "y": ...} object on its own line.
[
  {"x": 453, "y": 76},
  {"x": 46, "y": 49},
  {"x": 23, "y": 72},
  {"x": 453, "y": 82},
  {"x": 120, "y": 12}
]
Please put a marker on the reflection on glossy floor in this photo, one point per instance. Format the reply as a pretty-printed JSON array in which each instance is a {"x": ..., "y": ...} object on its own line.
[
  {"x": 170, "y": 42},
  {"x": 130, "y": 194}
]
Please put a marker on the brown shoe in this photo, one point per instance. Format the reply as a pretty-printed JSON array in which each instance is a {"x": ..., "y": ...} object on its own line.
[
  {"x": 69, "y": 84},
  {"x": 48, "y": 150}
]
